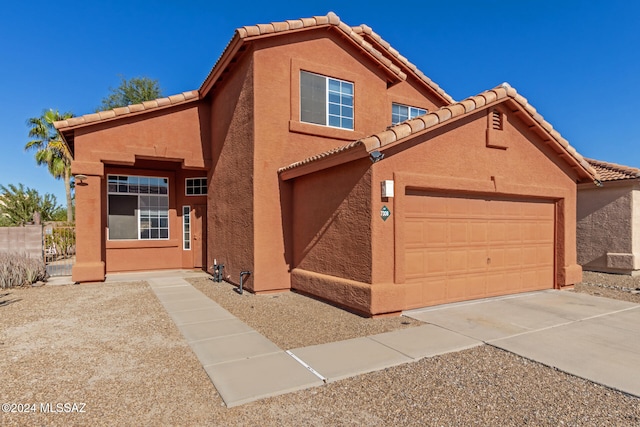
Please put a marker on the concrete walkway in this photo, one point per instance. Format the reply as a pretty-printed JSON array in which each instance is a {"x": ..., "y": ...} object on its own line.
[
  {"x": 594, "y": 338},
  {"x": 245, "y": 366}
]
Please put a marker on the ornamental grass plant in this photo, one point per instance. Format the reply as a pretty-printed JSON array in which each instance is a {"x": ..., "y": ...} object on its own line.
[{"x": 20, "y": 270}]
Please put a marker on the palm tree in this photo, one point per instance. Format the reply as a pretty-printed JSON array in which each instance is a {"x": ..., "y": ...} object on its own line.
[{"x": 51, "y": 150}]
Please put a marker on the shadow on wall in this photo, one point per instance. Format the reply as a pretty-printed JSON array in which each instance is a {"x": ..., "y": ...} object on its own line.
[{"x": 326, "y": 215}]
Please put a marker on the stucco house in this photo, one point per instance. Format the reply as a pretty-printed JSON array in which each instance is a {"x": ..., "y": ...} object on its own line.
[
  {"x": 317, "y": 157},
  {"x": 608, "y": 234}
]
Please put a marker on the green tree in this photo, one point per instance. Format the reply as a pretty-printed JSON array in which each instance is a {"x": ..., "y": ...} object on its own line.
[
  {"x": 18, "y": 204},
  {"x": 51, "y": 150},
  {"x": 132, "y": 91}
]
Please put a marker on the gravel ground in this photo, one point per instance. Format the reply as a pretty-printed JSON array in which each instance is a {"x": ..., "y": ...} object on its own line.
[
  {"x": 292, "y": 320},
  {"x": 114, "y": 348},
  {"x": 617, "y": 286}
]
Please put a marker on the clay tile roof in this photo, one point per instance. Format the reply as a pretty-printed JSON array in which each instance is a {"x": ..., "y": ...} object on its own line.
[
  {"x": 365, "y": 29},
  {"x": 129, "y": 109},
  {"x": 613, "y": 172},
  {"x": 448, "y": 113},
  {"x": 354, "y": 33}
]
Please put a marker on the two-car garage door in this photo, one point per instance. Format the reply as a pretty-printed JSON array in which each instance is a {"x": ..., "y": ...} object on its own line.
[{"x": 460, "y": 248}]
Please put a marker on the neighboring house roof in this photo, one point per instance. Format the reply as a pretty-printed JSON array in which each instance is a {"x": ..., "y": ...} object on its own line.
[
  {"x": 613, "y": 172},
  {"x": 405, "y": 130}
]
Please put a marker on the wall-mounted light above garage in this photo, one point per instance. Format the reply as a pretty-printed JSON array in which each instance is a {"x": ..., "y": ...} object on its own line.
[{"x": 387, "y": 188}]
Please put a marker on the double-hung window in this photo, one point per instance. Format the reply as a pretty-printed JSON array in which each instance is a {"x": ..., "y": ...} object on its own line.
[
  {"x": 326, "y": 101},
  {"x": 138, "y": 207},
  {"x": 400, "y": 113}
]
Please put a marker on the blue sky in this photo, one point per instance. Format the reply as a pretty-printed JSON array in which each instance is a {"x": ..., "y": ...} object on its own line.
[{"x": 577, "y": 62}]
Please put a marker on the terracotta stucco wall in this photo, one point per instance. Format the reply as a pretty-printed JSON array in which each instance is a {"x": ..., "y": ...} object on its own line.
[
  {"x": 453, "y": 159},
  {"x": 230, "y": 235},
  {"x": 169, "y": 139},
  {"x": 128, "y": 255},
  {"x": 606, "y": 227},
  {"x": 176, "y": 134},
  {"x": 280, "y": 137},
  {"x": 456, "y": 159},
  {"x": 331, "y": 219}
]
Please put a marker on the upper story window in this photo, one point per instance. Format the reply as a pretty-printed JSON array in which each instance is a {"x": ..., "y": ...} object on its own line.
[
  {"x": 138, "y": 207},
  {"x": 196, "y": 186},
  {"x": 326, "y": 101},
  {"x": 400, "y": 113}
]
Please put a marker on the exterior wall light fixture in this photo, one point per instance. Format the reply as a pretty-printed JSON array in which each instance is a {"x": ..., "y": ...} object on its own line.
[
  {"x": 387, "y": 188},
  {"x": 376, "y": 156}
]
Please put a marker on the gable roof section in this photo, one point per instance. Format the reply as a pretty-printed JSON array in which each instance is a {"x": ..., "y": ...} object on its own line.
[
  {"x": 612, "y": 171},
  {"x": 237, "y": 45},
  {"x": 129, "y": 109},
  {"x": 66, "y": 127},
  {"x": 382, "y": 45},
  {"x": 331, "y": 20},
  {"x": 401, "y": 132}
]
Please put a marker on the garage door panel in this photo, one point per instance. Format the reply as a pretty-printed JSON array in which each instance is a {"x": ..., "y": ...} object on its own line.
[
  {"x": 458, "y": 287},
  {"x": 414, "y": 264},
  {"x": 414, "y": 232},
  {"x": 413, "y": 294},
  {"x": 436, "y": 233},
  {"x": 478, "y": 259},
  {"x": 513, "y": 232},
  {"x": 545, "y": 231},
  {"x": 497, "y": 232},
  {"x": 472, "y": 248},
  {"x": 458, "y": 233},
  {"x": 472, "y": 286},
  {"x": 495, "y": 258},
  {"x": 478, "y": 232},
  {"x": 436, "y": 261},
  {"x": 542, "y": 255},
  {"x": 513, "y": 257},
  {"x": 545, "y": 274},
  {"x": 457, "y": 261}
]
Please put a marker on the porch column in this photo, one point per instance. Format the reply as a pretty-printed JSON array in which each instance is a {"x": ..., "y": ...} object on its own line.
[{"x": 89, "y": 266}]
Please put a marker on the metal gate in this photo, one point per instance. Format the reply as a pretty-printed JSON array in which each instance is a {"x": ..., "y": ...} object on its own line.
[{"x": 59, "y": 248}]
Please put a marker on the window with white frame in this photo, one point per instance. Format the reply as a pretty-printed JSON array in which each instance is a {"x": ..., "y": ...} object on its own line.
[
  {"x": 138, "y": 207},
  {"x": 196, "y": 186},
  {"x": 400, "y": 113},
  {"x": 186, "y": 228},
  {"x": 326, "y": 101}
]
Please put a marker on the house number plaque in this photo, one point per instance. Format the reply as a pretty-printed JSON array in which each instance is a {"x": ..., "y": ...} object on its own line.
[{"x": 385, "y": 213}]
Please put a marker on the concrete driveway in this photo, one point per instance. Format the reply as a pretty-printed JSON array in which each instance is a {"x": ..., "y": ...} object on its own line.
[{"x": 594, "y": 338}]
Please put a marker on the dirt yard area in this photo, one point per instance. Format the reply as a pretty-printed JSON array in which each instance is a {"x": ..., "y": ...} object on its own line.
[{"x": 112, "y": 350}]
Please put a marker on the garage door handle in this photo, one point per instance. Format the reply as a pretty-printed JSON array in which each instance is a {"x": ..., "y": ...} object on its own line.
[{"x": 488, "y": 260}]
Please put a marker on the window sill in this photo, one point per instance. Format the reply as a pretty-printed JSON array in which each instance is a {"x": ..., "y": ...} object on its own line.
[
  {"x": 324, "y": 131},
  {"x": 141, "y": 244}
]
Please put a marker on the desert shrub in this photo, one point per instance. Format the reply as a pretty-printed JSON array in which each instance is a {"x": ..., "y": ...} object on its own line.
[{"x": 20, "y": 270}]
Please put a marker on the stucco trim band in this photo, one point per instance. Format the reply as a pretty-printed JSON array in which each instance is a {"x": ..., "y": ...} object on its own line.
[{"x": 362, "y": 298}]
